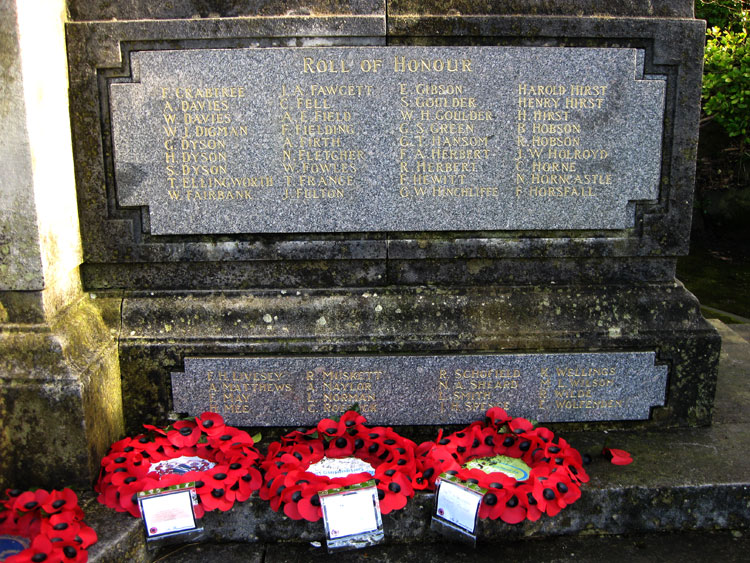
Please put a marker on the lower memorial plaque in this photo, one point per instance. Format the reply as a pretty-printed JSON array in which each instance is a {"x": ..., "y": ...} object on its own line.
[{"x": 279, "y": 391}]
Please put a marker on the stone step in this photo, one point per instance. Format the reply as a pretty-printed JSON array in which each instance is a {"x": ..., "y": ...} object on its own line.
[
  {"x": 742, "y": 330},
  {"x": 676, "y": 547},
  {"x": 682, "y": 480}
]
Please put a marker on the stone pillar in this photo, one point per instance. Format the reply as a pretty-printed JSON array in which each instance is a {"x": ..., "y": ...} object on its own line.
[{"x": 60, "y": 400}]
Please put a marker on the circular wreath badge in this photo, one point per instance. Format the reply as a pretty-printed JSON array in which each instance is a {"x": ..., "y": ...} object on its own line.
[
  {"x": 289, "y": 482},
  {"x": 43, "y": 526},
  {"x": 220, "y": 459},
  {"x": 553, "y": 482}
]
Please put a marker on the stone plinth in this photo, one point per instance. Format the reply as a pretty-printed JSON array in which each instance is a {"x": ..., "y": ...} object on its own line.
[
  {"x": 60, "y": 400},
  {"x": 429, "y": 256}
]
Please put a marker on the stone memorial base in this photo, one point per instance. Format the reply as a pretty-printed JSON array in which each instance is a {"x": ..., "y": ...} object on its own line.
[
  {"x": 60, "y": 401},
  {"x": 702, "y": 488},
  {"x": 593, "y": 355}
]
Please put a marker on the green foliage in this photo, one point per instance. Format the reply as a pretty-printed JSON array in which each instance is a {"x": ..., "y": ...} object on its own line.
[
  {"x": 721, "y": 13},
  {"x": 726, "y": 76}
]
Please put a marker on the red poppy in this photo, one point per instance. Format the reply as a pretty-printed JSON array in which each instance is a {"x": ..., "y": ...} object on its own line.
[
  {"x": 72, "y": 552},
  {"x": 617, "y": 457},
  {"x": 60, "y": 527},
  {"x": 340, "y": 446},
  {"x": 397, "y": 490},
  {"x": 216, "y": 498},
  {"x": 308, "y": 505},
  {"x": 329, "y": 427},
  {"x": 41, "y": 549},
  {"x": 52, "y": 535},
  {"x": 59, "y": 501},
  {"x": 233, "y": 438},
  {"x": 554, "y": 465},
  {"x": 288, "y": 484},
  {"x": 155, "y": 429},
  {"x": 210, "y": 423},
  {"x": 29, "y": 500},
  {"x": 497, "y": 417},
  {"x": 185, "y": 434},
  {"x": 126, "y": 471}
]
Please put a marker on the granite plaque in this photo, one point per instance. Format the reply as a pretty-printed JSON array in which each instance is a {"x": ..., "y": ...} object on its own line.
[
  {"x": 363, "y": 139},
  {"x": 281, "y": 391}
]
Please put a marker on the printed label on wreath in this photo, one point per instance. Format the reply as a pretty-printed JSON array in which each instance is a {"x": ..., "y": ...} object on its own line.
[
  {"x": 12, "y": 545},
  {"x": 511, "y": 466},
  {"x": 168, "y": 511},
  {"x": 181, "y": 465},
  {"x": 458, "y": 503},
  {"x": 351, "y": 516},
  {"x": 340, "y": 467}
]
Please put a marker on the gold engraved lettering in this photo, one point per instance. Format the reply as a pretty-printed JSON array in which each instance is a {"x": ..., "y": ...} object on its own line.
[
  {"x": 553, "y": 139},
  {"x": 319, "y": 66},
  {"x": 402, "y": 64}
]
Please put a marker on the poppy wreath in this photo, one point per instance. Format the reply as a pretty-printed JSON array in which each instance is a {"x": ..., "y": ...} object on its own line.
[
  {"x": 51, "y": 521},
  {"x": 288, "y": 482},
  {"x": 556, "y": 468},
  {"x": 128, "y": 468}
]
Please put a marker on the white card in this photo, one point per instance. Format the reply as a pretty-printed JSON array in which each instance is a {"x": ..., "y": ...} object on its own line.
[
  {"x": 458, "y": 505},
  {"x": 351, "y": 512},
  {"x": 167, "y": 513}
]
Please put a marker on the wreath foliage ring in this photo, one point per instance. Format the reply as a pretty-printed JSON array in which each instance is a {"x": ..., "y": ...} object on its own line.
[
  {"x": 556, "y": 468},
  {"x": 288, "y": 482},
  {"x": 127, "y": 469}
]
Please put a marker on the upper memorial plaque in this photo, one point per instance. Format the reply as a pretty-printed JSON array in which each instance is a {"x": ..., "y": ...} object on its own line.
[{"x": 283, "y": 140}]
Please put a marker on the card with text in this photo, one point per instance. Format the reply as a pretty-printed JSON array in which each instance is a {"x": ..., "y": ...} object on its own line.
[
  {"x": 169, "y": 511},
  {"x": 457, "y": 508},
  {"x": 352, "y": 516}
]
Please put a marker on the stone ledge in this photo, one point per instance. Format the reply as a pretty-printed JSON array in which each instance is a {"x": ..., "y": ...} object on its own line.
[{"x": 684, "y": 480}]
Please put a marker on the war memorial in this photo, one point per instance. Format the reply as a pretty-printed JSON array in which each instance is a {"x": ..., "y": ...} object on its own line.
[{"x": 273, "y": 211}]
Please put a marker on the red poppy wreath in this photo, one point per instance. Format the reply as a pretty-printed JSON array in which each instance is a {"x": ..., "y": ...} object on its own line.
[
  {"x": 220, "y": 459},
  {"x": 527, "y": 471},
  {"x": 43, "y": 526},
  {"x": 337, "y": 454}
]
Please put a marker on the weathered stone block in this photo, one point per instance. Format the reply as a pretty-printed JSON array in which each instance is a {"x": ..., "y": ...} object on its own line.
[{"x": 60, "y": 399}]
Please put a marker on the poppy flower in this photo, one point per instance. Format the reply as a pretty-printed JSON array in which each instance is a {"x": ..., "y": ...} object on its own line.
[
  {"x": 50, "y": 534},
  {"x": 397, "y": 490},
  {"x": 499, "y": 490},
  {"x": 340, "y": 446},
  {"x": 210, "y": 423},
  {"x": 329, "y": 427},
  {"x": 155, "y": 429},
  {"x": 617, "y": 457},
  {"x": 308, "y": 505},
  {"x": 128, "y": 498},
  {"x": 497, "y": 417},
  {"x": 216, "y": 498},
  {"x": 73, "y": 552},
  {"x": 352, "y": 420},
  {"x": 61, "y": 527},
  {"x": 41, "y": 549},
  {"x": 59, "y": 501},
  {"x": 552, "y": 461},
  {"x": 245, "y": 485},
  {"x": 289, "y": 485},
  {"x": 224, "y": 448},
  {"x": 233, "y": 438},
  {"x": 519, "y": 425},
  {"x": 29, "y": 500},
  {"x": 184, "y": 434}
]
